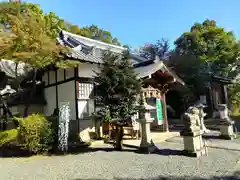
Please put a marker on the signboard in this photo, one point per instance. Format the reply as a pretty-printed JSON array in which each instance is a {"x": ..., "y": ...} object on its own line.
[{"x": 159, "y": 111}]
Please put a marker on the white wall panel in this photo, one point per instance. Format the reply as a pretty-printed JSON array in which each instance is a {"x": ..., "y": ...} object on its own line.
[
  {"x": 69, "y": 73},
  {"x": 45, "y": 78},
  {"x": 66, "y": 93},
  {"x": 60, "y": 75},
  {"x": 50, "y": 95},
  {"x": 87, "y": 70},
  {"x": 52, "y": 77}
]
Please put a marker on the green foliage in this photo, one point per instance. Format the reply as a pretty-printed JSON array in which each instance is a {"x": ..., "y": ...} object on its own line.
[
  {"x": 234, "y": 93},
  {"x": 28, "y": 37},
  {"x": 192, "y": 70},
  {"x": 118, "y": 85},
  {"x": 94, "y": 32},
  {"x": 204, "y": 51},
  {"x": 234, "y": 96},
  {"x": 8, "y": 136},
  {"x": 103, "y": 115},
  {"x": 211, "y": 44},
  {"x": 35, "y": 133},
  {"x": 53, "y": 22}
]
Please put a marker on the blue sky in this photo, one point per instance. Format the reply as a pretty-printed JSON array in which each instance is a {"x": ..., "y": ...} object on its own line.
[{"x": 135, "y": 22}]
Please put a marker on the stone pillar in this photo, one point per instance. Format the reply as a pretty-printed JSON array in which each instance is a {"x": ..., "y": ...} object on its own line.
[
  {"x": 225, "y": 124},
  {"x": 147, "y": 145},
  {"x": 192, "y": 134},
  {"x": 224, "y": 87},
  {"x": 63, "y": 127}
]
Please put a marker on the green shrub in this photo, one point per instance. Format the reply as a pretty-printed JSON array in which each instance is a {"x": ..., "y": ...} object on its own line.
[
  {"x": 8, "y": 136},
  {"x": 35, "y": 133}
]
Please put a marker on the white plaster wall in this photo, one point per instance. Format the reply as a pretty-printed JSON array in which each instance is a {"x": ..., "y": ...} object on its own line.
[
  {"x": 60, "y": 75},
  {"x": 45, "y": 78},
  {"x": 14, "y": 109},
  {"x": 66, "y": 93},
  {"x": 87, "y": 70},
  {"x": 69, "y": 73},
  {"x": 83, "y": 106},
  {"x": 50, "y": 95},
  {"x": 52, "y": 77}
]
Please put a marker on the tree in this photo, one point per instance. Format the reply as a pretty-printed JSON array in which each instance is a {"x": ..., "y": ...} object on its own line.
[
  {"x": 234, "y": 96},
  {"x": 204, "y": 51},
  {"x": 54, "y": 22},
  {"x": 26, "y": 38},
  {"x": 212, "y": 44},
  {"x": 118, "y": 86},
  {"x": 191, "y": 70},
  {"x": 96, "y": 33},
  {"x": 161, "y": 49},
  {"x": 93, "y": 32}
]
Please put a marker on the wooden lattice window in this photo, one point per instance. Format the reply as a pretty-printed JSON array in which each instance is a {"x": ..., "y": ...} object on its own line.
[{"x": 85, "y": 90}]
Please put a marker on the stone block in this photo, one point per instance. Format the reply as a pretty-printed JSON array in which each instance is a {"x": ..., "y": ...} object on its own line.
[
  {"x": 227, "y": 132},
  {"x": 194, "y": 146}
]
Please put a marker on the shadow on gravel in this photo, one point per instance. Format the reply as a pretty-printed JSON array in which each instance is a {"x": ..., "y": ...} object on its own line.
[
  {"x": 18, "y": 152},
  {"x": 235, "y": 176},
  {"x": 164, "y": 152},
  {"x": 212, "y": 137},
  {"x": 13, "y": 151}
]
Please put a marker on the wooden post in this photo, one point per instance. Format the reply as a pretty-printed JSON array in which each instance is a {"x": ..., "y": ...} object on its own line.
[
  {"x": 164, "y": 111},
  {"x": 225, "y": 94}
]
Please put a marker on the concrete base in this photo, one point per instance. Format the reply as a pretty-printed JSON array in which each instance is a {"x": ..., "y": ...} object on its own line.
[
  {"x": 193, "y": 146},
  {"x": 147, "y": 149}
]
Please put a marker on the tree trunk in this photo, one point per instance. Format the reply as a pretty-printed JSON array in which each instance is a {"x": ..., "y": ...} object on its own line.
[
  {"x": 31, "y": 94},
  {"x": 119, "y": 138}
]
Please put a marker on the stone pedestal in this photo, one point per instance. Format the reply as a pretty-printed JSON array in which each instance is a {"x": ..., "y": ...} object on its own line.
[
  {"x": 225, "y": 124},
  {"x": 193, "y": 144},
  {"x": 147, "y": 145},
  {"x": 192, "y": 134},
  {"x": 226, "y": 130}
]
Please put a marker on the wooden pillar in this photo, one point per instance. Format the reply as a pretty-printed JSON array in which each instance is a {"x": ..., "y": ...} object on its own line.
[
  {"x": 164, "y": 111},
  {"x": 225, "y": 94}
]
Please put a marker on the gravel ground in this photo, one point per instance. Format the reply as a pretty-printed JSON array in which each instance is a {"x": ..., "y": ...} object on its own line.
[{"x": 120, "y": 165}]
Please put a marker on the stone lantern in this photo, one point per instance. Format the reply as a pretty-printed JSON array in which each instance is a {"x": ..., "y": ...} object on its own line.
[{"x": 145, "y": 119}]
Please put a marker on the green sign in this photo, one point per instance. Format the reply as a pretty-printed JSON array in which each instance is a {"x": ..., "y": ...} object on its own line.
[{"x": 159, "y": 111}]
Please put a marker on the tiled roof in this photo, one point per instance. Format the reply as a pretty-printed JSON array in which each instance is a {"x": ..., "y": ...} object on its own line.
[
  {"x": 144, "y": 71},
  {"x": 89, "y": 57},
  {"x": 90, "y": 50}
]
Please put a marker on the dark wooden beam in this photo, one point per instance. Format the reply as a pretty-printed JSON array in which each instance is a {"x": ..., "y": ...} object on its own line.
[
  {"x": 164, "y": 112},
  {"x": 76, "y": 87}
]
